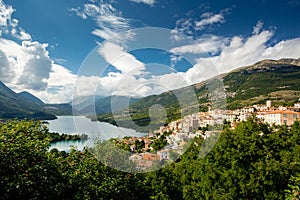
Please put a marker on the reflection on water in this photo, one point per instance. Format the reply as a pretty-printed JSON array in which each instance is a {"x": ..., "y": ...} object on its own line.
[{"x": 82, "y": 125}]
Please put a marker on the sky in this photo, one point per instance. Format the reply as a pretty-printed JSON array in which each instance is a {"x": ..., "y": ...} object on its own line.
[{"x": 58, "y": 49}]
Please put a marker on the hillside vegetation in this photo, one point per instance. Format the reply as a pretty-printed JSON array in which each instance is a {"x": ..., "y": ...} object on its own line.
[{"x": 277, "y": 80}]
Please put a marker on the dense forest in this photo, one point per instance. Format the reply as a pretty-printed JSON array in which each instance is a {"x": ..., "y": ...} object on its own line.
[{"x": 253, "y": 161}]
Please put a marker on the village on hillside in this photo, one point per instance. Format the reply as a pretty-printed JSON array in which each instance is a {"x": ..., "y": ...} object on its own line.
[{"x": 170, "y": 140}]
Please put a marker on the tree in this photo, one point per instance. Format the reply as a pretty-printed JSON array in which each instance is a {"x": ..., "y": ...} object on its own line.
[
  {"x": 293, "y": 192},
  {"x": 254, "y": 161},
  {"x": 26, "y": 170}
]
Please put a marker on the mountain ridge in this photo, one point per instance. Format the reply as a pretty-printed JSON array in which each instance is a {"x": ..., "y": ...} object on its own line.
[{"x": 30, "y": 97}]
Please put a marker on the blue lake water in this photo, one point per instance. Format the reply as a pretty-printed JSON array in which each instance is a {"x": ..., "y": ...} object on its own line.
[{"x": 82, "y": 125}]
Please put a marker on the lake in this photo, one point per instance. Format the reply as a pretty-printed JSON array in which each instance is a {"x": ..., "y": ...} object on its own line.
[{"x": 81, "y": 125}]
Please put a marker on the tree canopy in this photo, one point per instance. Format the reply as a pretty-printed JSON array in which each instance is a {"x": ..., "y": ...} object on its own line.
[{"x": 253, "y": 161}]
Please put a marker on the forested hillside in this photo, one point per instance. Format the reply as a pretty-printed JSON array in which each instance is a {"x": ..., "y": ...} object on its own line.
[{"x": 276, "y": 80}]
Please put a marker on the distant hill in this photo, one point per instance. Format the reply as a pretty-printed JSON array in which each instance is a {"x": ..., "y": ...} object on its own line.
[
  {"x": 58, "y": 109},
  {"x": 101, "y": 105},
  {"x": 277, "y": 80}
]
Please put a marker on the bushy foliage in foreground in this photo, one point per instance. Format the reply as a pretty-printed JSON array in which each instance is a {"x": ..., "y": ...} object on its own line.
[{"x": 254, "y": 161}]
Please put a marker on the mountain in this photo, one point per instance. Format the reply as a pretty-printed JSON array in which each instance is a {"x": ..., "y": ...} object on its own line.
[
  {"x": 81, "y": 102},
  {"x": 13, "y": 105},
  {"x": 101, "y": 105},
  {"x": 25, "y": 105},
  {"x": 58, "y": 109},
  {"x": 277, "y": 80},
  {"x": 30, "y": 97}
]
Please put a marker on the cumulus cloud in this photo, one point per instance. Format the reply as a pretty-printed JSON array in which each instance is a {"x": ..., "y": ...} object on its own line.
[
  {"x": 36, "y": 66},
  {"x": 60, "y": 88},
  {"x": 27, "y": 66},
  {"x": 23, "y": 35},
  {"x": 148, "y": 2},
  {"x": 284, "y": 49},
  {"x": 5, "y": 68},
  {"x": 29, "y": 62},
  {"x": 5, "y": 14},
  {"x": 241, "y": 52}
]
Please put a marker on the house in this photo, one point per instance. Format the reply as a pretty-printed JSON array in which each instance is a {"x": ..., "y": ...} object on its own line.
[
  {"x": 135, "y": 157},
  {"x": 281, "y": 117},
  {"x": 230, "y": 116},
  {"x": 144, "y": 164},
  {"x": 244, "y": 116},
  {"x": 151, "y": 157},
  {"x": 163, "y": 154},
  {"x": 250, "y": 109},
  {"x": 132, "y": 148},
  {"x": 148, "y": 143}
]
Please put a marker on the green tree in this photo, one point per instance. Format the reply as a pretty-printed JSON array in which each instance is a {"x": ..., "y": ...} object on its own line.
[
  {"x": 293, "y": 192},
  {"x": 26, "y": 169},
  {"x": 253, "y": 161}
]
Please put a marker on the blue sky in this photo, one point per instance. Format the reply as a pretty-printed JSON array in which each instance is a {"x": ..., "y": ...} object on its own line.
[{"x": 48, "y": 47}]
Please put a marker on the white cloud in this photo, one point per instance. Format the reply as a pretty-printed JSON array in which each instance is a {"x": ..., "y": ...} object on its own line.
[
  {"x": 5, "y": 68},
  {"x": 5, "y": 14},
  {"x": 243, "y": 52},
  {"x": 209, "y": 19},
  {"x": 24, "y": 36},
  {"x": 284, "y": 49},
  {"x": 190, "y": 25},
  {"x": 9, "y": 24},
  {"x": 148, "y": 2},
  {"x": 61, "y": 85},
  {"x": 78, "y": 12},
  {"x": 28, "y": 67},
  {"x": 183, "y": 26},
  {"x": 36, "y": 66},
  {"x": 60, "y": 88},
  {"x": 108, "y": 19},
  {"x": 233, "y": 53},
  {"x": 257, "y": 28},
  {"x": 228, "y": 54},
  {"x": 20, "y": 34},
  {"x": 29, "y": 63},
  {"x": 205, "y": 44},
  {"x": 118, "y": 57}
]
